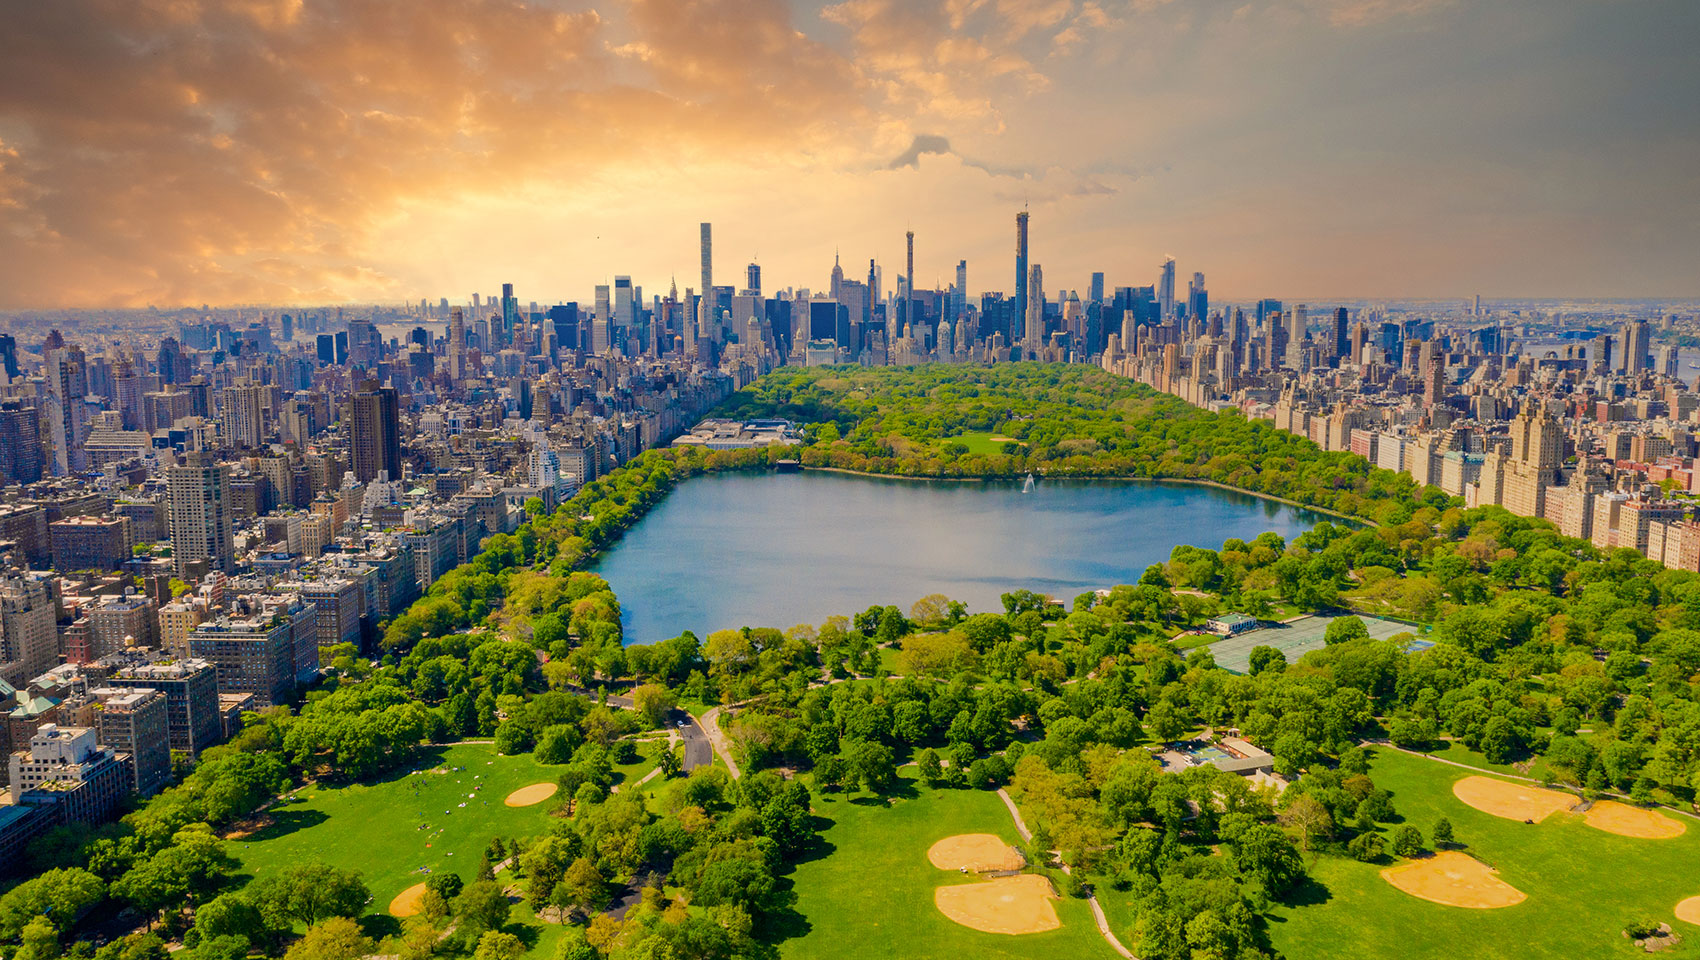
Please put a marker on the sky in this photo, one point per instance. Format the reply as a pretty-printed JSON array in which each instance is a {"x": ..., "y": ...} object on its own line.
[{"x": 180, "y": 152}]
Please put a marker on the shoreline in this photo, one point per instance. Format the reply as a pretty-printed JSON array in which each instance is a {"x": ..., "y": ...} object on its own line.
[{"x": 1363, "y": 521}]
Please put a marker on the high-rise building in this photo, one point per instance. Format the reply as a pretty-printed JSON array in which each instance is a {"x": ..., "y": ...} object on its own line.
[
  {"x": 375, "y": 432},
  {"x": 135, "y": 722},
  {"x": 1097, "y": 289},
  {"x": 1166, "y": 289},
  {"x": 245, "y": 415},
  {"x": 198, "y": 494},
  {"x": 21, "y": 455},
  {"x": 960, "y": 306},
  {"x": 1020, "y": 273},
  {"x": 457, "y": 344},
  {"x": 708, "y": 321},
  {"x": 1035, "y": 321},
  {"x": 1637, "y": 344},
  {"x": 1342, "y": 346},
  {"x": 752, "y": 279},
  {"x": 29, "y": 636},
  {"x": 1197, "y": 299},
  {"x": 510, "y": 313}
]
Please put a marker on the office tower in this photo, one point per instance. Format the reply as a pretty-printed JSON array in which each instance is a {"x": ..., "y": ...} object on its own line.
[
  {"x": 1342, "y": 346},
  {"x": 600, "y": 335},
  {"x": 21, "y": 455},
  {"x": 1434, "y": 372},
  {"x": 326, "y": 349},
  {"x": 134, "y": 721},
  {"x": 1637, "y": 343},
  {"x": 1166, "y": 289},
  {"x": 198, "y": 497},
  {"x": 1197, "y": 299},
  {"x": 457, "y": 344},
  {"x": 1265, "y": 308},
  {"x": 375, "y": 432},
  {"x": 510, "y": 313},
  {"x": 1020, "y": 272},
  {"x": 244, "y": 416},
  {"x": 9, "y": 355},
  {"x": 1035, "y": 325},
  {"x": 707, "y": 320},
  {"x": 873, "y": 294},
  {"x": 29, "y": 635},
  {"x": 752, "y": 279},
  {"x": 961, "y": 305},
  {"x": 909, "y": 276},
  {"x": 625, "y": 308}
]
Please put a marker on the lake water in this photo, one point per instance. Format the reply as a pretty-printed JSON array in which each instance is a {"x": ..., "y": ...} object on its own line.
[{"x": 732, "y": 550}]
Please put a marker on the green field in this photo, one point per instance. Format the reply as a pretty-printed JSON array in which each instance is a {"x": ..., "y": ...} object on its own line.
[
  {"x": 1584, "y": 885},
  {"x": 980, "y": 443},
  {"x": 872, "y": 897},
  {"x": 375, "y": 828}
]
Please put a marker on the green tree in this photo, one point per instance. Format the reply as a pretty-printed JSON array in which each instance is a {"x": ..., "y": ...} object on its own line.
[
  {"x": 482, "y": 906},
  {"x": 1408, "y": 842},
  {"x": 1443, "y": 833},
  {"x": 338, "y": 938},
  {"x": 62, "y": 894},
  {"x": 1344, "y": 630},
  {"x": 930, "y": 769},
  {"x": 311, "y": 893},
  {"x": 496, "y": 945}
]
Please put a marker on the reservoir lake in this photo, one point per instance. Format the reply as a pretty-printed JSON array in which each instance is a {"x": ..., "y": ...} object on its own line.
[{"x": 774, "y": 550}]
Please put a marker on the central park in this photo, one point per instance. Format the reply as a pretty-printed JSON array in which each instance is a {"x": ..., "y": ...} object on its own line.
[{"x": 1452, "y": 729}]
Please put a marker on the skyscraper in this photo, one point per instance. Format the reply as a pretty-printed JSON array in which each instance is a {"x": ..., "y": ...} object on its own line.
[
  {"x": 1020, "y": 271},
  {"x": 752, "y": 279},
  {"x": 1342, "y": 347},
  {"x": 1197, "y": 299},
  {"x": 961, "y": 305},
  {"x": 909, "y": 275},
  {"x": 1097, "y": 286},
  {"x": 1637, "y": 344},
  {"x": 707, "y": 321},
  {"x": 457, "y": 344},
  {"x": 244, "y": 415},
  {"x": 21, "y": 457},
  {"x": 1034, "y": 330},
  {"x": 510, "y": 313},
  {"x": 198, "y": 510},
  {"x": 1166, "y": 289},
  {"x": 375, "y": 432}
]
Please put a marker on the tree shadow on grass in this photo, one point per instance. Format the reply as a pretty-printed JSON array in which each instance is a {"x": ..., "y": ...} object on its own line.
[
  {"x": 1308, "y": 893},
  {"x": 784, "y": 923},
  {"x": 528, "y": 933},
  {"x": 283, "y": 821},
  {"x": 380, "y": 926}
]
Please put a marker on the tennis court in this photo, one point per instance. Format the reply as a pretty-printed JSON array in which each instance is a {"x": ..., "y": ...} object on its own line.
[{"x": 1293, "y": 639}]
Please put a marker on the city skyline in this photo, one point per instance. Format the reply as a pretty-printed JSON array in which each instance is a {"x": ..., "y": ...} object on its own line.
[{"x": 1328, "y": 149}]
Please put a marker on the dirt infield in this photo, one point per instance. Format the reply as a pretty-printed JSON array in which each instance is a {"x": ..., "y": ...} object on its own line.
[
  {"x": 975, "y": 852},
  {"x": 526, "y": 796},
  {"x": 1511, "y": 800},
  {"x": 406, "y": 903},
  {"x": 1688, "y": 911},
  {"x": 1455, "y": 880},
  {"x": 1019, "y": 904},
  {"x": 1627, "y": 821}
]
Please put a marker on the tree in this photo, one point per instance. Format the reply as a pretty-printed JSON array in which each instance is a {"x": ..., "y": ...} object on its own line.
[
  {"x": 1165, "y": 722},
  {"x": 231, "y": 915},
  {"x": 1344, "y": 630},
  {"x": 582, "y": 887},
  {"x": 310, "y": 893},
  {"x": 496, "y": 945},
  {"x": 62, "y": 894},
  {"x": 1408, "y": 842},
  {"x": 870, "y": 764},
  {"x": 41, "y": 940},
  {"x": 135, "y": 946},
  {"x": 1266, "y": 855},
  {"x": 1264, "y": 658},
  {"x": 653, "y": 702},
  {"x": 1310, "y": 818},
  {"x": 928, "y": 765},
  {"x": 482, "y": 906},
  {"x": 1442, "y": 833},
  {"x": 447, "y": 884},
  {"x": 338, "y": 938},
  {"x": 669, "y": 763},
  {"x": 1366, "y": 847}
]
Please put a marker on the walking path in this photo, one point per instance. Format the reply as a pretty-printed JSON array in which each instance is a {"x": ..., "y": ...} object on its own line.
[
  {"x": 1091, "y": 898},
  {"x": 717, "y": 739}
]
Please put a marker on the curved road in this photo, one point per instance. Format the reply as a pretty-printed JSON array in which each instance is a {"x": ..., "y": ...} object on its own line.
[{"x": 698, "y": 750}]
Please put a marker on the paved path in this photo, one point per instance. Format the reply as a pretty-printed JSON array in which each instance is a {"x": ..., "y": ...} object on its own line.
[
  {"x": 698, "y": 752},
  {"x": 716, "y": 737},
  {"x": 1091, "y": 898}
]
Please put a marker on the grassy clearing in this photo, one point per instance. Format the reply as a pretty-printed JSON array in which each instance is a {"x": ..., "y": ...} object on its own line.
[
  {"x": 868, "y": 893},
  {"x": 980, "y": 443},
  {"x": 375, "y": 827},
  {"x": 1584, "y": 885}
]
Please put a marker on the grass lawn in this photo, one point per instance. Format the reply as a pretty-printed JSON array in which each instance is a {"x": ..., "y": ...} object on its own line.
[
  {"x": 1583, "y": 885},
  {"x": 375, "y": 827},
  {"x": 869, "y": 892},
  {"x": 980, "y": 442}
]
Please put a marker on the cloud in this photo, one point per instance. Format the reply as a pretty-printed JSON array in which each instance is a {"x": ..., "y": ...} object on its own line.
[
  {"x": 168, "y": 152},
  {"x": 931, "y": 143}
]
